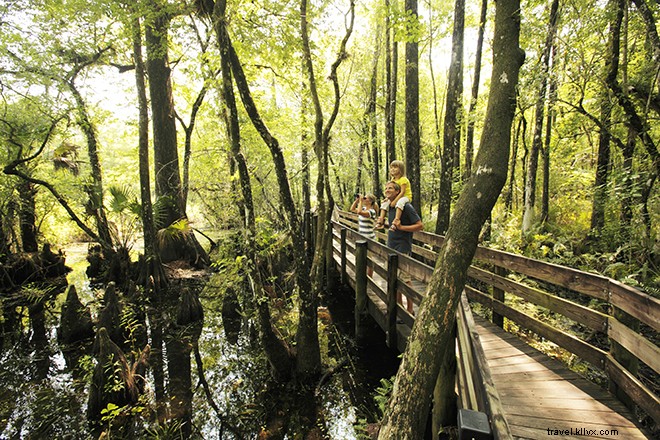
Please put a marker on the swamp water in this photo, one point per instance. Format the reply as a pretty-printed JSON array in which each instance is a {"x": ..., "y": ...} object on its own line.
[{"x": 40, "y": 398}]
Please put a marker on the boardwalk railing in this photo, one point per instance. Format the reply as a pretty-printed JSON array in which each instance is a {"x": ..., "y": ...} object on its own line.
[
  {"x": 378, "y": 274},
  {"x": 593, "y": 303}
]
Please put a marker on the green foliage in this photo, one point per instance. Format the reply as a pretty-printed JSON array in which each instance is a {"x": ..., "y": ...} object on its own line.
[{"x": 383, "y": 393}]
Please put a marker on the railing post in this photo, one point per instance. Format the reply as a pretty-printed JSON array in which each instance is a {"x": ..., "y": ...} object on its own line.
[
  {"x": 498, "y": 294},
  {"x": 360, "y": 285},
  {"x": 623, "y": 356},
  {"x": 329, "y": 260},
  {"x": 392, "y": 270},
  {"x": 342, "y": 272}
]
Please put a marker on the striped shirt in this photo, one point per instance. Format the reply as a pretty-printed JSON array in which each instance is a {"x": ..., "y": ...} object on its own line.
[{"x": 366, "y": 224}]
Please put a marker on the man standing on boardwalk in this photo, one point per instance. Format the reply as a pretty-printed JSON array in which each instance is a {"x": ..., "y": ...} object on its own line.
[{"x": 400, "y": 237}]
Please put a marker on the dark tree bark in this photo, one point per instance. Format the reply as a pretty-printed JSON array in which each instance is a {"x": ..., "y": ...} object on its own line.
[
  {"x": 288, "y": 206},
  {"x": 168, "y": 182},
  {"x": 412, "y": 107},
  {"x": 452, "y": 127},
  {"x": 151, "y": 271},
  {"x": 508, "y": 201},
  {"x": 27, "y": 218},
  {"x": 278, "y": 353},
  {"x": 308, "y": 359},
  {"x": 166, "y": 160},
  {"x": 152, "y": 275},
  {"x": 529, "y": 215},
  {"x": 391, "y": 64},
  {"x": 550, "y": 118},
  {"x": 469, "y": 141},
  {"x": 371, "y": 121},
  {"x": 407, "y": 410},
  {"x": 602, "y": 166}
]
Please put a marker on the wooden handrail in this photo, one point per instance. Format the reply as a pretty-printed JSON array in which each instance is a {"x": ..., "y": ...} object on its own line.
[{"x": 608, "y": 292}]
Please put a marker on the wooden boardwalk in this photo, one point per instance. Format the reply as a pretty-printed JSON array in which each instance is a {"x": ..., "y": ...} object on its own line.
[
  {"x": 542, "y": 397},
  {"x": 525, "y": 393}
]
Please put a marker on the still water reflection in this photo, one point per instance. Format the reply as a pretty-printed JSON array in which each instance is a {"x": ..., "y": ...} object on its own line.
[{"x": 238, "y": 403}]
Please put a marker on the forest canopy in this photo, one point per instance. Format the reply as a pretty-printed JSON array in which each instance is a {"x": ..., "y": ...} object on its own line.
[
  {"x": 587, "y": 114},
  {"x": 158, "y": 131}
]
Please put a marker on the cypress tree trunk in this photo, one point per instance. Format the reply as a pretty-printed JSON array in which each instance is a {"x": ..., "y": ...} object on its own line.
[
  {"x": 168, "y": 182},
  {"x": 166, "y": 159},
  {"x": 391, "y": 57},
  {"x": 27, "y": 217},
  {"x": 407, "y": 410},
  {"x": 412, "y": 109},
  {"x": 529, "y": 215},
  {"x": 151, "y": 268},
  {"x": 277, "y": 352},
  {"x": 469, "y": 141},
  {"x": 452, "y": 126}
]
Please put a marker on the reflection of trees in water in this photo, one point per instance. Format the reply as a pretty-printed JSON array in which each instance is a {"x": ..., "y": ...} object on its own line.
[{"x": 231, "y": 399}]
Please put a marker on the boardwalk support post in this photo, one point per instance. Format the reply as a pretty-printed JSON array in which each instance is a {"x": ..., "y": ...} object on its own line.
[
  {"x": 392, "y": 270},
  {"x": 498, "y": 294},
  {"x": 360, "y": 285},
  {"x": 344, "y": 277}
]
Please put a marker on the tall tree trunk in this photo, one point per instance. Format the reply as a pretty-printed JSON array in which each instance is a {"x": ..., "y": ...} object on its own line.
[
  {"x": 452, "y": 126},
  {"x": 166, "y": 158},
  {"x": 308, "y": 357},
  {"x": 152, "y": 269},
  {"x": 372, "y": 121},
  {"x": 298, "y": 244},
  {"x": 391, "y": 57},
  {"x": 95, "y": 190},
  {"x": 152, "y": 275},
  {"x": 628, "y": 188},
  {"x": 552, "y": 98},
  {"x": 469, "y": 141},
  {"x": 602, "y": 167},
  {"x": 529, "y": 214},
  {"x": 27, "y": 218},
  {"x": 407, "y": 410},
  {"x": 277, "y": 353},
  {"x": 304, "y": 140},
  {"x": 508, "y": 201},
  {"x": 412, "y": 106},
  {"x": 168, "y": 182}
]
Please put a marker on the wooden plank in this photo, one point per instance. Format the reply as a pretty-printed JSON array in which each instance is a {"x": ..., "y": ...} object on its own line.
[
  {"x": 467, "y": 363},
  {"x": 578, "y": 313},
  {"x": 571, "y": 343},
  {"x": 637, "y": 391},
  {"x": 637, "y": 304},
  {"x": 565, "y": 340},
  {"x": 585, "y": 428},
  {"x": 553, "y": 393},
  {"x": 593, "y": 285},
  {"x": 495, "y": 409},
  {"x": 635, "y": 343}
]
